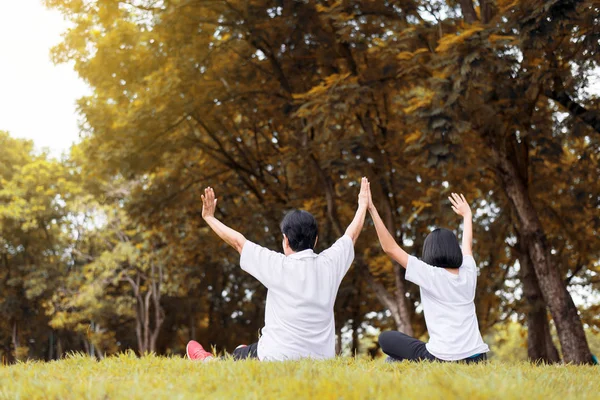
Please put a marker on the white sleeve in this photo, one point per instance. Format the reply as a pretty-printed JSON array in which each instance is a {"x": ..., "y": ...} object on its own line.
[
  {"x": 341, "y": 255},
  {"x": 420, "y": 273},
  {"x": 263, "y": 264},
  {"x": 469, "y": 263}
]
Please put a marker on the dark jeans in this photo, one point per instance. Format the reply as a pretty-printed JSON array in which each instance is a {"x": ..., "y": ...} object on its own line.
[
  {"x": 399, "y": 346},
  {"x": 241, "y": 353}
]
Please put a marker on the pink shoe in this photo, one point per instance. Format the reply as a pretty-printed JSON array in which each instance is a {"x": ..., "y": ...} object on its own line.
[{"x": 196, "y": 352}]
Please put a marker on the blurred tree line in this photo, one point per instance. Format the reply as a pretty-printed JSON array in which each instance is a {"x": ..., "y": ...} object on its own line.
[{"x": 285, "y": 104}]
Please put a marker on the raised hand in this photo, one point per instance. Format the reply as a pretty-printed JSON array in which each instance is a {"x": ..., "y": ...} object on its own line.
[
  {"x": 356, "y": 225},
  {"x": 371, "y": 205},
  {"x": 365, "y": 193},
  {"x": 209, "y": 203},
  {"x": 460, "y": 205},
  {"x": 230, "y": 236}
]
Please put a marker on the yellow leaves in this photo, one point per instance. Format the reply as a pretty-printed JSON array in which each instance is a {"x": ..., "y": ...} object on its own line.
[
  {"x": 312, "y": 205},
  {"x": 493, "y": 38},
  {"x": 431, "y": 192},
  {"x": 569, "y": 157},
  {"x": 441, "y": 73},
  {"x": 404, "y": 55},
  {"x": 324, "y": 9},
  {"x": 413, "y": 136},
  {"x": 380, "y": 263},
  {"x": 96, "y": 33},
  {"x": 225, "y": 37},
  {"x": 408, "y": 55},
  {"x": 505, "y": 5},
  {"x": 452, "y": 39},
  {"x": 420, "y": 206},
  {"x": 325, "y": 85},
  {"x": 335, "y": 78},
  {"x": 377, "y": 42},
  {"x": 422, "y": 98}
]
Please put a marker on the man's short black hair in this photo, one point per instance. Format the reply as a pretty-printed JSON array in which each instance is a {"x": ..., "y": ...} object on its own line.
[
  {"x": 441, "y": 249},
  {"x": 300, "y": 227}
]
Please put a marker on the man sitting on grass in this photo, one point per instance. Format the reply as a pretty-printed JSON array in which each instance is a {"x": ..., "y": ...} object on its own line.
[{"x": 302, "y": 285}]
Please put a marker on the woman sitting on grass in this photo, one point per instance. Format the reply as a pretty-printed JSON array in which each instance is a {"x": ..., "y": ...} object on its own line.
[{"x": 447, "y": 279}]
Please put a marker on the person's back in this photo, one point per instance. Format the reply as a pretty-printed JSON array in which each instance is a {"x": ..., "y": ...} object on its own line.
[
  {"x": 302, "y": 285},
  {"x": 302, "y": 288},
  {"x": 449, "y": 308},
  {"x": 447, "y": 278}
]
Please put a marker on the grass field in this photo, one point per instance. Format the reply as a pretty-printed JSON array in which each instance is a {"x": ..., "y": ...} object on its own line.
[{"x": 129, "y": 377}]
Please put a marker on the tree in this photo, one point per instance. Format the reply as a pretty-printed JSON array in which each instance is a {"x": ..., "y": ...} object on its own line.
[
  {"x": 33, "y": 215},
  {"x": 507, "y": 127},
  {"x": 285, "y": 105}
]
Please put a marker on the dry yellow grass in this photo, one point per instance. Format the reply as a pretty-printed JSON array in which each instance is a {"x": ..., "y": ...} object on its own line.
[{"x": 128, "y": 377}]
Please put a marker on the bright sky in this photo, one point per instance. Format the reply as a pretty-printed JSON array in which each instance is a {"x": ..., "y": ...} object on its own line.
[{"x": 37, "y": 98}]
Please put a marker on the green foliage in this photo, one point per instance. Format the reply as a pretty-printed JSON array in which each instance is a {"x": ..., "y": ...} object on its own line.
[
  {"x": 34, "y": 190},
  {"x": 508, "y": 342}
]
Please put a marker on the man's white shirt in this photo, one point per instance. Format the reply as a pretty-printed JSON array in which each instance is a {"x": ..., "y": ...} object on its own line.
[{"x": 302, "y": 288}]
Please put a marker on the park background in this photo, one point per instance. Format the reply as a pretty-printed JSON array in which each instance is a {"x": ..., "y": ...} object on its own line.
[{"x": 281, "y": 105}]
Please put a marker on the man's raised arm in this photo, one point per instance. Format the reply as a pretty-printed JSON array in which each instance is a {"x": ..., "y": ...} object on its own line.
[
  {"x": 356, "y": 225},
  {"x": 230, "y": 236}
]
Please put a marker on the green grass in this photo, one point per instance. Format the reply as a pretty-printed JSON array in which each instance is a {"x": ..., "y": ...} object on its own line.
[{"x": 129, "y": 377}]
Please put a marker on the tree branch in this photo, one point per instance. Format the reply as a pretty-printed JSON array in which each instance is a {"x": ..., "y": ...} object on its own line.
[{"x": 591, "y": 118}]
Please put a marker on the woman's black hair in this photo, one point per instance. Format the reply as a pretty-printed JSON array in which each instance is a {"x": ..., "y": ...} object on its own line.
[
  {"x": 441, "y": 249},
  {"x": 301, "y": 229}
]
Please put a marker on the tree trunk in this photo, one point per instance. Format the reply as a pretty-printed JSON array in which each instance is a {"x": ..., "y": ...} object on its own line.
[
  {"x": 139, "y": 315},
  {"x": 146, "y": 325},
  {"x": 59, "y": 347},
  {"x": 192, "y": 315},
  {"x": 51, "y": 346},
  {"x": 487, "y": 11},
  {"x": 92, "y": 349},
  {"x": 354, "y": 346},
  {"x": 86, "y": 344},
  {"x": 540, "y": 347},
  {"x": 388, "y": 300},
  {"x": 146, "y": 333},
  {"x": 468, "y": 11},
  {"x": 338, "y": 340},
  {"x": 356, "y": 313},
  {"x": 156, "y": 279},
  {"x": 400, "y": 291},
  {"x": 572, "y": 338},
  {"x": 98, "y": 353},
  {"x": 15, "y": 336}
]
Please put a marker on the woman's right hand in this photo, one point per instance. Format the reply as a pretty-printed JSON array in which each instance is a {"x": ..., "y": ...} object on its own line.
[
  {"x": 460, "y": 205},
  {"x": 371, "y": 206}
]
